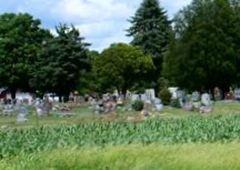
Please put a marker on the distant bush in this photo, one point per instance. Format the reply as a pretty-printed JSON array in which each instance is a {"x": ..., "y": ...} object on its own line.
[
  {"x": 176, "y": 103},
  {"x": 138, "y": 105},
  {"x": 165, "y": 96}
]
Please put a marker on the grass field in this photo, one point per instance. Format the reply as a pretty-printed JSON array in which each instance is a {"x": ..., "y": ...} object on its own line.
[
  {"x": 173, "y": 140},
  {"x": 214, "y": 156}
]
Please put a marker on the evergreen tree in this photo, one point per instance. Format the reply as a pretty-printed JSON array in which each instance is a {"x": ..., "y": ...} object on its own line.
[{"x": 151, "y": 31}]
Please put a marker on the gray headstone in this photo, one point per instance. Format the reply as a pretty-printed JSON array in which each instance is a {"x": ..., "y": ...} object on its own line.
[
  {"x": 188, "y": 106},
  {"x": 158, "y": 104},
  {"x": 8, "y": 110},
  {"x": 195, "y": 96},
  {"x": 159, "y": 107},
  {"x": 22, "y": 115},
  {"x": 143, "y": 97}
]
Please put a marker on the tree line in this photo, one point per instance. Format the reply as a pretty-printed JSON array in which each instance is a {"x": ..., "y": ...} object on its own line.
[{"x": 197, "y": 50}]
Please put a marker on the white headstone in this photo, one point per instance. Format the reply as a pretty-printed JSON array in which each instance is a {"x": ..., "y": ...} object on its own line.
[
  {"x": 205, "y": 99},
  {"x": 150, "y": 93},
  {"x": 174, "y": 92},
  {"x": 237, "y": 94}
]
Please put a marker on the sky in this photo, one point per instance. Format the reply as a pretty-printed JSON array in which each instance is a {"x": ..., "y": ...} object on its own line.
[{"x": 101, "y": 22}]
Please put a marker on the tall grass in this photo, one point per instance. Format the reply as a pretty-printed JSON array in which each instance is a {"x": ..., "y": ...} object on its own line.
[
  {"x": 132, "y": 157},
  {"x": 186, "y": 130}
]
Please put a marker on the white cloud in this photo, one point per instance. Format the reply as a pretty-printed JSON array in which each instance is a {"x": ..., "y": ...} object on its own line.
[
  {"x": 101, "y": 22},
  {"x": 91, "y": 10}
]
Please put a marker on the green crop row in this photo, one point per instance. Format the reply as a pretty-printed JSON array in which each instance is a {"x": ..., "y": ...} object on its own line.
[{"x": 192, "y": 129}]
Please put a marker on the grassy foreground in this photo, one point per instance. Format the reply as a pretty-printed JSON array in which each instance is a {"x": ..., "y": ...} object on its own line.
[
  {"x": 169, "y": 131},
  {"x": 214, "y": 156}
]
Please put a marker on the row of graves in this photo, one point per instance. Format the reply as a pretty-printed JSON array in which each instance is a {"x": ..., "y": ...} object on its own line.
[
  {"x": 231, "y": 95},
  {"x": 110, "y": 103},
  {"x": 203, "y": 103},
  {"x": 21, "y": 109},
  {"x": 195, "y": 102},
  {"x": 190, "y": 102}
]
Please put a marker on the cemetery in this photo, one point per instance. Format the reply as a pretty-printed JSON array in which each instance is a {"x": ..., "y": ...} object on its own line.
[
  {"x": 120, "y": 85},
  {"x": 113, "y": 107}
]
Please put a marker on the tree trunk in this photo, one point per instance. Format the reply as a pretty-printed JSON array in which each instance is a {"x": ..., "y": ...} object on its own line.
[
  {"x": 212, "y": 93},
  {"x": 224, "y": 91},
  {"x": 124, "y": 92},
  {"x": 13, "y": 93},
  {"x": 60, "y": 98},
  {"x": 65, "y": 98}
]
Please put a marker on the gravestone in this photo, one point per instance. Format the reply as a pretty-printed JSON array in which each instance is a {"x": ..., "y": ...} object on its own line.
[
  {"x": 8, "y": 109},
  {"x": 47, "y": 105},
  {"x": 109, "y": 106},
  {"x": 237, "y": 94},
  {"x": 158, "y": 104},
  {"x": 181, "y": 96},
  {"x": 39, "y": 107},
  {"x": 188, "y": 106},
  {"x": 217, "y": 94},
  {"x": 150, "y": 94},
  {"x": 205, "y": 99},
  {"x": 195, "y": 96},
  {"x": 196, "y": 100},
  {"x": 196, "y": 105},
  {"x": 43, "y": 107},
  {"x": 206, "y": 104},
  {"x": 98, "y": 107},
  {"x": 22, "y": 115},
  {"x": 143, "y": 97},
  {"x": 174, "y": 92}
]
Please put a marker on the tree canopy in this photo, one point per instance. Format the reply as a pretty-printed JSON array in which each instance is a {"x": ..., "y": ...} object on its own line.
[
  {"x": 61, "y": 62},
  {"x": 21, "y": 37},
  {"x": 205, "y": 53},
  {"x": 122, "y": 66}
]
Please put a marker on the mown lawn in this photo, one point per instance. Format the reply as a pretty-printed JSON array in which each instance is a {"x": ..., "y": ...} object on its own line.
[{"x": 215, "y": 156}]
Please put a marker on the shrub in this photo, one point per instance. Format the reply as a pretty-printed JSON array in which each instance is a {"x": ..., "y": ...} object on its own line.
[
  {"x": 138, "y": 105},
  {"x": 176, "y": 103},
  {"x": 165, "y": 96}
]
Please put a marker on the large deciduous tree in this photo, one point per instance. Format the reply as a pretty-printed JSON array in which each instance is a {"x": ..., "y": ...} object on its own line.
[
  {"x": 122, "y": 67},
  {"x": 21, "y": 38},
  {"x": 151, "y": 31},
  {"x": 206, "y": 50},
  {"x": 63, "y": 59}
]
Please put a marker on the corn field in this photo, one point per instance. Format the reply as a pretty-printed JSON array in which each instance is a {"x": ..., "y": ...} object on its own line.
[{"x": 167, "y": 131}]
